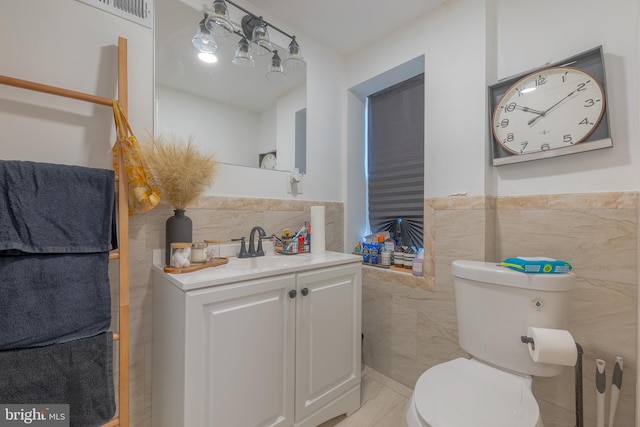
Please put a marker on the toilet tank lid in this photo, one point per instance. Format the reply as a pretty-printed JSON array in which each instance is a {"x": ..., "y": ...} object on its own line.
[{"x": 493, "y": 272}]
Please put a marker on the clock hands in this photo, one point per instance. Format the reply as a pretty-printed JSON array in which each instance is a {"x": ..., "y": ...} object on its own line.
[
  {"x": 544, "y": 113},
  {"x": 529, "y": 110}
]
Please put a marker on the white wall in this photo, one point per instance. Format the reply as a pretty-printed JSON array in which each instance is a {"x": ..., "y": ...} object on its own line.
[
  {"x": 68, "y": 44},
  {"x": 355, "y": 204},
  {"x": 573, "y": 27},
  {"x": 470, "y": 44},
  {"x": 238, "y": 136},
  {"x": 268, "y": 130},
  {"x": 288, "y": 104},
  {"x": 452, "y": 40},
  {"x": 234, "y": 138}
]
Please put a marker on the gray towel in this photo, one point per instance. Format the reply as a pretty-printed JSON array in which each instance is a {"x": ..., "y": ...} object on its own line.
[
  {"x": 78, "y": 373},
  {"x": 46, "y": 299},
  {"x": 48, "y": 208}
]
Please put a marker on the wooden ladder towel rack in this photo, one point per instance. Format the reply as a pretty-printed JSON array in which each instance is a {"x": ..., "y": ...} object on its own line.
[{"x": 122, "y": 253}]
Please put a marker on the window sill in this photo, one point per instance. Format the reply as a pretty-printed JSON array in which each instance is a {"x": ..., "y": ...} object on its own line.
[{"x": 398, "y": 276}]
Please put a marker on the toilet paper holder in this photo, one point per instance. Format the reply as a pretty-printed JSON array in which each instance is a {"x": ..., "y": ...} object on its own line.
[
  {"x": 578, "y": 380},
  {"x": 528, "y": 340}
]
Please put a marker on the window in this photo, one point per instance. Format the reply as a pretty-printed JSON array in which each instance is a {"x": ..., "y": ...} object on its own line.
[{"x": 395, "y": 160}]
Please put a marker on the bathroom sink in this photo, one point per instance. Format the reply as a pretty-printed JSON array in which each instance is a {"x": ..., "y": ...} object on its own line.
[
  {"x": 268, "y": 262},
  {"x": 243, "y": 269}
]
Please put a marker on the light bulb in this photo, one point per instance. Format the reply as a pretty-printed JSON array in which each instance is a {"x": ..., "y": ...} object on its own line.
[{"x": 209, "y": 58}]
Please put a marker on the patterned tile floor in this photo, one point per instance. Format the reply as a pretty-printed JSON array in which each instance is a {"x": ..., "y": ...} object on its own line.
[{"x": 383, "y": 403}]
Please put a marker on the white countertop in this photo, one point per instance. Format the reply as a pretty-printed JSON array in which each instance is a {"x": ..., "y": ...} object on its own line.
[{"x": 241, "y": 269}]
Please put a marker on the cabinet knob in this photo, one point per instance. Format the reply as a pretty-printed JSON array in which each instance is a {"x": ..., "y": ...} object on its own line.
[
  {"x": 292, "y": 293},
  {"x": 305, "y": 292}
]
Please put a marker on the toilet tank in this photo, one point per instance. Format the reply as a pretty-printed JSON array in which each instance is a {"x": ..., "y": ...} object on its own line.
[{"x": 496, "y": 306}]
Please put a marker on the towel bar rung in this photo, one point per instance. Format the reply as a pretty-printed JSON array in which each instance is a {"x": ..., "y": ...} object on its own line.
[{"x": 122, "y": 336}]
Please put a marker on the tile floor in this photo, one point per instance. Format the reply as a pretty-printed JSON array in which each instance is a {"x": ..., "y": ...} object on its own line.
[{"x": 383, "y": 403}]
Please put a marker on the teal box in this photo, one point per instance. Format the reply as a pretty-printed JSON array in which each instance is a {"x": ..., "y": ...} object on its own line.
[{"x": 537, "y": 265}]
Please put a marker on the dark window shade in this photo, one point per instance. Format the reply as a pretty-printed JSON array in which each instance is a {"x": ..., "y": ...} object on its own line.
[{"x": 396, "y": 160}]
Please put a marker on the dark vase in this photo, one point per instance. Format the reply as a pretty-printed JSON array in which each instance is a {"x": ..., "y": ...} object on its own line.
[{"x": 178, "y": 229}]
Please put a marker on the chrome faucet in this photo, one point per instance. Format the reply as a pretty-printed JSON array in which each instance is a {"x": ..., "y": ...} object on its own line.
[{"x": 253, "y": 252}]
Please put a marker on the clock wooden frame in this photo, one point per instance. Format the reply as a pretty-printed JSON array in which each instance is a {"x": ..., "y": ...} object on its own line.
[{"x": 591, "y": 61}]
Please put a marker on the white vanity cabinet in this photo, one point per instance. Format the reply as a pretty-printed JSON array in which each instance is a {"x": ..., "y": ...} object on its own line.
[
  {"x": 281, "y": 348},
  {"x": 328, "y": 339}
]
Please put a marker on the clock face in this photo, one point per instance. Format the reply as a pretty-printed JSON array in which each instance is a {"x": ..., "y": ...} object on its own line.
[
  {"x": 548, "y": 109},
  {"x": 268, "y": 161}
]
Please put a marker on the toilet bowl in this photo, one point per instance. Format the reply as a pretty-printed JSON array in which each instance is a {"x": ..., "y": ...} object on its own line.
[
  {"x": 495, "y": 306},
  {"x": 467, "y": 392}
]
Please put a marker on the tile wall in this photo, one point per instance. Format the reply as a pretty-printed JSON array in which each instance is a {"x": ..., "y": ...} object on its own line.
[{"x": 410, "y": 324}]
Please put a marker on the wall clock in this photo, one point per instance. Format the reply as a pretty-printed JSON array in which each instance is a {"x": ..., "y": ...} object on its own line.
[
  {"x": 557, "y": 110},
  {"x": 268, "y": 160}
]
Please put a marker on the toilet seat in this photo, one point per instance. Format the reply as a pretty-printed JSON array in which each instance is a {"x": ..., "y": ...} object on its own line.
[{"x": 466, "y": 392}]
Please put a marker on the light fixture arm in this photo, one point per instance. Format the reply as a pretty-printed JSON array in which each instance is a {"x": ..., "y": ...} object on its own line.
[{"x": 260, "y": 17}]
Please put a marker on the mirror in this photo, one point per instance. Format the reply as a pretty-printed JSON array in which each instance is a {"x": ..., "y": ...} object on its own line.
[{"x": 234, "y": 113}]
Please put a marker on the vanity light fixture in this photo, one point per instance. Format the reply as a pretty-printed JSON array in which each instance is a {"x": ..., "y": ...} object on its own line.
[
  {"x": 254, "y": 39},
  {"x": 243, "y": 57},
  {"x": 260, "y": 39},
  {"x": 276, "y": 73},
  {"x": 203, "y": 41},
  {"x": 218, "y": 21},
  {"x": 294, "y": 61}
]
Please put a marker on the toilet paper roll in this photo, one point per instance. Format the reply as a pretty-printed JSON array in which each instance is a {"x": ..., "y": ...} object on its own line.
[
  {"x": 555, "y": 346},
  {"x": 317, "y": 229}
]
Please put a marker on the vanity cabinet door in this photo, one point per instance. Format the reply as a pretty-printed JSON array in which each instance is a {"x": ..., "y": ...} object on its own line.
[
  {"x": 328, "y": 335},
  {"x": 240, "y": 354}
]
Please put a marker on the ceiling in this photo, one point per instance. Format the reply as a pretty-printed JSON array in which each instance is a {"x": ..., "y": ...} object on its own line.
[{"x": 346, "y": 25}]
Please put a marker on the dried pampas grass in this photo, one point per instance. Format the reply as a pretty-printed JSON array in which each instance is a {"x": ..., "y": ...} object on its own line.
[{"x": 181, "y": 171}]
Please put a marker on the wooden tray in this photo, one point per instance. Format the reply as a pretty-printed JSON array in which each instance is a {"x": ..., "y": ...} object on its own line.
[{"x": 196, "y": 267}]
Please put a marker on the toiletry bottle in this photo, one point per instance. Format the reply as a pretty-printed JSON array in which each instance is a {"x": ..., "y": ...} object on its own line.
[
  {"x": 418, "y": 263},
  {"x": 385, "y": 257},
  {"x": 366, "y": 253},
  {"x": 307, "y": 237},
  {"x": 373, "y": 253},
  {"x": 380, "y": 247}
]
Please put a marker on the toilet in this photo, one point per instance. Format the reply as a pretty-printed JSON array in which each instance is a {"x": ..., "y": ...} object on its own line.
[{"x": 495, "y": 307}]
